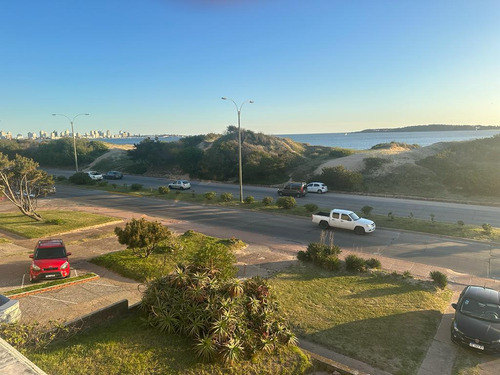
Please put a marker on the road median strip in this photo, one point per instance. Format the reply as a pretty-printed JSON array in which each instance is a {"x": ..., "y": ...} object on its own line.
[{"x": 42, "y": 288}]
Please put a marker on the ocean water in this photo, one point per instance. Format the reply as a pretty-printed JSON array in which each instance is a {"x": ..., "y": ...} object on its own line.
[
  {"x": 357, "y": 141},
  {"x": 364, "y": 141}
]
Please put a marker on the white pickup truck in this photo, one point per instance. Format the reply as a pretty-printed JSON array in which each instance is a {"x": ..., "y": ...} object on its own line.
[{"x": 344, "y": 219}]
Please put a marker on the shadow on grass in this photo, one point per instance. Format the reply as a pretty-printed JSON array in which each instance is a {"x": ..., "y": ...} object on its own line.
[{"x": 395, "y": 343}]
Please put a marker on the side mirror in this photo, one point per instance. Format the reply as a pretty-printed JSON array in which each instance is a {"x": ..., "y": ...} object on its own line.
[
  {"x": 31, "y": 255},
  {"x": 454, "y": 305},
  {"x": 68, "y": 254}
]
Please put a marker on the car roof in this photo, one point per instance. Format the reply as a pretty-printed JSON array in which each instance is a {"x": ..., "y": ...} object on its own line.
[
  {"x": 341, "y": 211},
  {"x": 316, "y": 182},
  {"x": 49, "y": 243},
  {"x": 483, "y": 294}
]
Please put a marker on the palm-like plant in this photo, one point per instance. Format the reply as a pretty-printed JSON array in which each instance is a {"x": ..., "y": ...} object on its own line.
[
  {"x": 205, "y": 348},
  {"x": 232, "y": 351}
]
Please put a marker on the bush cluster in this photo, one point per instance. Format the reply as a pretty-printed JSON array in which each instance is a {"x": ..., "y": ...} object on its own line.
[
  {"x": 81, "y": 178},
  {"x": 267, "y": 201},
  {"x": 226, "y": 197},
  {"x": 228, "y": 319},
  {"x": 439, "y": 278},
  {"x": 249, "y": 200},
  {"x": 163, "y": 190},
  {"x": 286, "y": 202},
  {"x": 325, "y": 256},
  {"x": 136, "y": 187},
  {"x": 210, "y": 195},
  {"x": 310, "y": 207}
]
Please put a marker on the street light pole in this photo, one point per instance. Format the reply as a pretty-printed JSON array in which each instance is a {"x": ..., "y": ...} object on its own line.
[
  {"x": 240, "y": 168},
  {"x": 72, "y": 132}
]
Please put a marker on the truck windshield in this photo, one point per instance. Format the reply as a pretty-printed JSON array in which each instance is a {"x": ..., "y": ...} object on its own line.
[{"x": 354, "y": 216}]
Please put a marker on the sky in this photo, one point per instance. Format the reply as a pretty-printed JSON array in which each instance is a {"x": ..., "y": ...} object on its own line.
[{"x": 316, "y": 66}]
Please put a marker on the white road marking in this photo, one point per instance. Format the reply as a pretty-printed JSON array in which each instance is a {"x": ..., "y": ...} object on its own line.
[
  {"x": 114, "y": 286},
  {"x": 55, "y": 299}
]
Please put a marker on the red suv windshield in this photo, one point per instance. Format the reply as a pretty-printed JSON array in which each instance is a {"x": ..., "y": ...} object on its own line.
[{"x": 50, "y": 253}]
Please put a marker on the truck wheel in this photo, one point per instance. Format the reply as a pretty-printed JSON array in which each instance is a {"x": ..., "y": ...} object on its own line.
[
  {"x": 280, "y": 193},
  {"x": 319, "y": 192},
  {"x": 359, "y": 230},
  {"x": 298, "y": 195},
  {"x": 323, "y": 224}
]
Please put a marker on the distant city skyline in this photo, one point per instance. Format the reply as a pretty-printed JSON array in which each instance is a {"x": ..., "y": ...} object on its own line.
[{"x": 324, "y": 66}]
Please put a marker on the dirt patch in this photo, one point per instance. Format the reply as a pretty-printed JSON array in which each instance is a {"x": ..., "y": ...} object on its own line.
[{"x": 396, "y": 156}]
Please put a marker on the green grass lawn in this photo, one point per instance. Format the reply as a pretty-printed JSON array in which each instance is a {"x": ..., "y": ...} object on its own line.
[
  {"x": 127, "y": 264},
  {"x": 384, "y": 320},
  {"x": 127, "y": 346},
  {"x": 55, "y": 221}
]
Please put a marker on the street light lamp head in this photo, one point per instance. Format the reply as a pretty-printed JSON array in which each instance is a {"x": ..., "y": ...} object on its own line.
[
  {"x": 250, "y": 101},
  {"x": 224, "y": 98}
]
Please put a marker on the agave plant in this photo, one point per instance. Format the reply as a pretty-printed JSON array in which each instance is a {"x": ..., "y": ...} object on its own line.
[
  {"x": 235, "y": 288},
  {"x": 232, "y": 351},
  {"x": 205, "y": 348}
]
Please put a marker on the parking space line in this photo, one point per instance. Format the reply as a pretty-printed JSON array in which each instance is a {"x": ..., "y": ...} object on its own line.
[
  {"x": 55, "y": 299},
  {"x": 114, "y": 286}
]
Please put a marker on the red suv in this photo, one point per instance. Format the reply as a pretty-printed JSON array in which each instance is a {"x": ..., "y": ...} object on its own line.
[{"x": 50, "y": 260}]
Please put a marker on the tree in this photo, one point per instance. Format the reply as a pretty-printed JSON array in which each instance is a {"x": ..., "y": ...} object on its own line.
[
  {"x": 142, "y": 236},
  {"x": 22, "y": 183}
]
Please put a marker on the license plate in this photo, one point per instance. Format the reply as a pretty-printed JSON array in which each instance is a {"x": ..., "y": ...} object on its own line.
[
  {"x": 477, "y": 346},
  {"x": 50, "y": 275}
]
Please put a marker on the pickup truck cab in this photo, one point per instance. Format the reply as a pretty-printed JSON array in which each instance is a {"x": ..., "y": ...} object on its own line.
[{"x": 343, "y": 219}]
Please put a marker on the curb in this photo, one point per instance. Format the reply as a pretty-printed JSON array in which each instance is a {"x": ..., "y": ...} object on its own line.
[{"x": 59, "y": 286}]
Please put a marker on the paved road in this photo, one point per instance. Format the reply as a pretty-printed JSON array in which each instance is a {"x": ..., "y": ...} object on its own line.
[
  {"x": 421, "y": 209},
  {"x": 472, "y": 257}
]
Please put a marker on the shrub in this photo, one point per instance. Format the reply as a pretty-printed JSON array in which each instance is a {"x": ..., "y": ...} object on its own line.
[
  {"x": 373, "y": 263},
  {"x": 216, "y": 256},
  {"x": 136, "y": 187},
  {"x": 114, "y": 186},
  {"x": 61, "y": 178},
  {"x": 142, "y": 236},
  {"x": 267, "y": 201},
  {"x": 432, "y": 217},
  {"x": 226, "y": 197},
  {"x": 332, "y": 263},
  {"x": 102, "y": 183},
  {"x": 310, "y": 207},
  {"x": 487, "y": 228},
  {"x": 33, "y": 336},
  {"x": 366, "y": 210},
  {"x": 227, "y": 319},
  {"x": 390, "y": 216},
  {"x": 460, "y": 223},
  {"x": 303, "y": 256},
  {"x": 286, "y": 202},
  {"x": 163, "y": 190},
  {"x": 54, "y": 221},
  {"x": 81, "y": 178},
  {"x": 440, "y": 279},
  {"x": 210, "y": 195},
  {"x": 249, "y": 200},
  {"x": 407, "y": 274},
  {"x": 355, "y": 263}
]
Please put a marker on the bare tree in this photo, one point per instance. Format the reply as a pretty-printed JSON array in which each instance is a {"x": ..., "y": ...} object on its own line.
[{"x": 22, "y": 183}]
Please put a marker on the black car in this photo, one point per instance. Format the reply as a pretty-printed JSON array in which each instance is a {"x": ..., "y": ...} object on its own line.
[
  {"x": 477, "y": 319},
  {"x": 113, "y": 175},
  {"x": 294, "y": 189}
]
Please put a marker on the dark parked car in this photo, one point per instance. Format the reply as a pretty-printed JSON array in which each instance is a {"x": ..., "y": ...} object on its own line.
[
  {"x": 477, "y": 319},
  {"x": 113, "y": 175},
  {"x": 294, "y": 189}
]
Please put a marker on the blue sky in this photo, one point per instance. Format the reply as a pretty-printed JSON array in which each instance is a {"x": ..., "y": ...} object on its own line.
[{"x": 159, "y": 66}]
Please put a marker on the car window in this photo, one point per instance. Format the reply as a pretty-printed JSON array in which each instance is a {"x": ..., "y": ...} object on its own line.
[
  {"x": 335, "y": 215},
  {"x": 346, "y": 217},
  {"x": 477, "y": 309},
  {"x": 354, "y": 216},
  {"x": 50, "y": 253}
]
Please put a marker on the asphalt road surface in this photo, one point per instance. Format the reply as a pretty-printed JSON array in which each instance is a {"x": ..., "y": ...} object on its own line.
[
  {"x": 421, "y": 209},
  {"x": 472, "y": 257}
]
